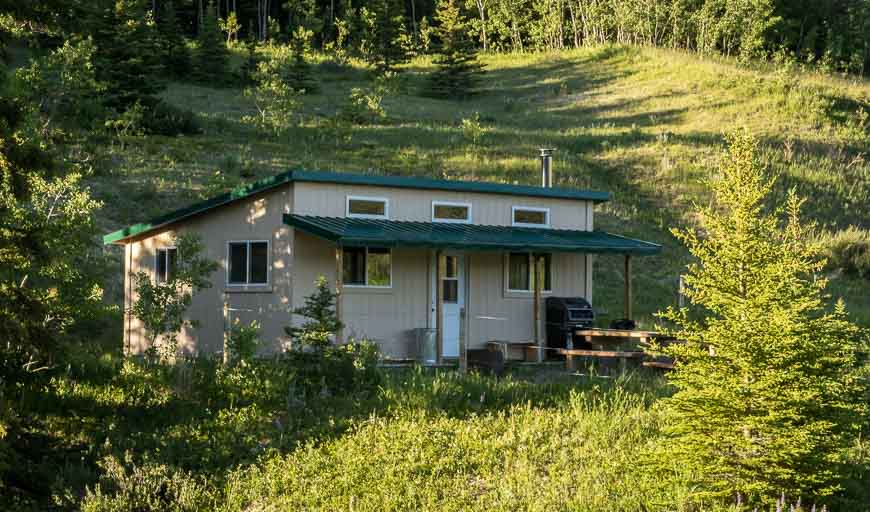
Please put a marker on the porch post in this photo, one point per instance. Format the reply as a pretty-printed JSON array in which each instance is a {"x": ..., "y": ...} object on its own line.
[
  {"x": 226, "y": 329},
  {"x": 440, "y": 263},
  {"x": 628, "y": 294},
  {"x": 539, "y": 342},
  {"x": 463, "y": 324},
  {"x": 339, "y": 285}
]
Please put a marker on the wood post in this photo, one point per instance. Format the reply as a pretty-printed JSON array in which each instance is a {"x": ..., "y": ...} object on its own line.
[
  {"x": 463, "y": 317},
  {"x": 539, "y": 342},
  {"x": 339, "y": 285},
  {"x": 227, "y": 327},
  {"x": 628, "y": 294},
  {"x": 440, "y": 264}
]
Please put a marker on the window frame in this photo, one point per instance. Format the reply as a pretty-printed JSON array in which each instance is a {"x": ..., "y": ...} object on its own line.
[
  {"x": 467, "y": 220},
  {"x": 514, "y": 223},
  {"x": 350, "y": 215},
  {"x": 507, "y": 276},
  {"x": 248, "y": 283},
  {"x": 166, "y": 250},
  {"x": 366, "y": 269}
]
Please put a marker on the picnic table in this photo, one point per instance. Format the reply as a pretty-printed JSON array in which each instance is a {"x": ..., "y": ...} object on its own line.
[{"x": 602, "y": 342}]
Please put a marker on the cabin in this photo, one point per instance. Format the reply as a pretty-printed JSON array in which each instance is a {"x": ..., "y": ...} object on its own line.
[{"x": 425, "y": 268}]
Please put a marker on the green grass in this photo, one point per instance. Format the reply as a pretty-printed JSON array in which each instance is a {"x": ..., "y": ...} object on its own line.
[{"x": 644, "y": 124}]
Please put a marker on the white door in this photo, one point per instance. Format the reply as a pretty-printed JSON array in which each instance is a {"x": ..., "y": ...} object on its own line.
[{"x": 453, "y": 288}]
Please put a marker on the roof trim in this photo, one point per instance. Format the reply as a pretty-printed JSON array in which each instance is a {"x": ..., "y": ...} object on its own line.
[
  {"x": 301, "y": 175},
  {"x": 385, "y": 233}
]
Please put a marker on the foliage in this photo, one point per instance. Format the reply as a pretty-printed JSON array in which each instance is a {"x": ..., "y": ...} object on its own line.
[
  {"x": 322, "y": 323},
  {"x": 48, "y": 272},
  {"x": 849, "y": 251},
  {"x": 63, "y": 85},
  {"x": 175, "y": 52},
  {"x": 472, "y": 131},
  {"x": 276, "y": 102},
  {"x": 128, "y": 57},
  {"x": 243, "y": 341},
  {"x": 166, "y": 119},
  {"x": 363, "y": 106},
  {"x": 767, "y": 395},
  {"x": 458, "y": 71},
  {"x": 128, "y": 123},
  {"x": 211, "y": 54},
  {"x": 231, "y": 26},
  {"x": 299, "y": 73},
  {"x": 161, "y": 306},
  {"x": 389, "y": 42}
]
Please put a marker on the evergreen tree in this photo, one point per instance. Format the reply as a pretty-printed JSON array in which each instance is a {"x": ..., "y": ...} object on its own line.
[
  {"x": 249, "y": 67},
  {"x": 458, "y": 70},
  {"x": 766, "y": 397},
  {"x": 176, "y": 54},
  {"x": 127, "y": 57},
  {"x": 212, "y": 54},
  {"x": 319, "y": 308},
  {"x": 389, "y": 44},
  {"x": 299, "y": 74}
]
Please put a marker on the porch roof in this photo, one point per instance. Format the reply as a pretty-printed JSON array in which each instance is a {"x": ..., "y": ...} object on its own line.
[{"x": 393, "y": 233}]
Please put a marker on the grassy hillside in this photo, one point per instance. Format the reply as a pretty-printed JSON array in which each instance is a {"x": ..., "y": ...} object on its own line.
[{"x": 645, "y": 124}]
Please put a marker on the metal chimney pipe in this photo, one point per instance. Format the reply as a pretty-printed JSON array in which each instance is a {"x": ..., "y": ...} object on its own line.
[{"x": 546, "y": 168}]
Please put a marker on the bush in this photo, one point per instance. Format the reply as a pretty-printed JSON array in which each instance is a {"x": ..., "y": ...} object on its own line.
[
  {"x": 849, "y": 251},
  {"x": 363, "y": 107},
  {"x": 169, "y": 120},
  {"x": 243, "y": 341}
]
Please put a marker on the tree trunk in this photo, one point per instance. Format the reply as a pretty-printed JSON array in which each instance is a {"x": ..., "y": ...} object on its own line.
[{"x": 481, "y": 8}]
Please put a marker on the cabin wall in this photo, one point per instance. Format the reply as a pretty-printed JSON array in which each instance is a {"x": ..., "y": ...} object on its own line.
[
  {"x": 494, "y": 313},
  {"x": 386, "y": 316},
  {"x": 259, "y": 218},
  {"x": 329, "y": 200}
]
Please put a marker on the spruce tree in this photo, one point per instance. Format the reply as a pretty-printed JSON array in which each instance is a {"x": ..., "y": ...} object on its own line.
[
  {"x": 299, "y": 74},
  {"x": 319, "y": 308},
  {"x": 389, "y": 48},
  {"x": 176, "y": 54},
  {"x": 458, "y": 70},
  {"x": 767, "y": 395},
  {"x": 212, "y": 54},
  {"x": 127, "y": 57}
]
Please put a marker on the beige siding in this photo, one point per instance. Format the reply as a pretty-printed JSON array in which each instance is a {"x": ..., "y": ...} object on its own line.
[
  {"x": 496, "y": 314},
  {"x": 328, "y": 199},
  {"x": 385, "y": 315},
  {"x": 259, "y": 218}
]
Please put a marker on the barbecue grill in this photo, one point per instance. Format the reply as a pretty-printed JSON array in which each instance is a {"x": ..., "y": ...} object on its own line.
[{"x": 563, "y": 316}]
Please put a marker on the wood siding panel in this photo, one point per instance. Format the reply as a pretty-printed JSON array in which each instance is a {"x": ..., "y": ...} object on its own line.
[{"x": 329, "y": 200}]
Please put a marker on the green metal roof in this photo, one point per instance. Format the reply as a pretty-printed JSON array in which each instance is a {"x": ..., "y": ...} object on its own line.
[
  {"x": 393, "y": 233},
  {"x": 352, "y": 179}
]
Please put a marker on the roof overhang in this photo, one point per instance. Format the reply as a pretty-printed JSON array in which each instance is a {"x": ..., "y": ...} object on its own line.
[
  {"x": 407, "y": 182},
  {"x": 391, "y": 233}
]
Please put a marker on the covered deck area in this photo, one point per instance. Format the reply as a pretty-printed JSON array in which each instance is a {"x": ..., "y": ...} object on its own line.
[{"x": 444, "y": 239}]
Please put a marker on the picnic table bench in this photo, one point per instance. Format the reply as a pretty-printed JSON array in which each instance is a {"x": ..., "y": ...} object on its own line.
[
  {"x": 602, "y": 342},
  {"x": 622, "y": 355}
]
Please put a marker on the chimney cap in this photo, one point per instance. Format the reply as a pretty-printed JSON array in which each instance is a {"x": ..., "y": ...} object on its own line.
[{"x": 547, "y": 151}]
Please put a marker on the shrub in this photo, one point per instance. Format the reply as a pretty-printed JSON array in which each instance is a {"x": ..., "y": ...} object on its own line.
[
  {"x": 849, "y": 251},
  {"x": 243, "y": 341},
  {"x": 149, "y": 486},
  {"x": 166, "y": 119},
  {"x": 363, "y": 106}
]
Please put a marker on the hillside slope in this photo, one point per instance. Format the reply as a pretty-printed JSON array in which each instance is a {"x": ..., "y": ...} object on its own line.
[{"x": 645, "y": 124}]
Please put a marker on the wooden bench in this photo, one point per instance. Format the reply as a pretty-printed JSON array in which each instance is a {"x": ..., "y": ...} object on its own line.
[
  {"x": 659, "y": 365},
  {"x": 623, "y": 356}
]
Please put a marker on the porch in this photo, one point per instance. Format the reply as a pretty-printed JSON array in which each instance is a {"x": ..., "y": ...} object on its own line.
[{"x": 478, "y": 282}]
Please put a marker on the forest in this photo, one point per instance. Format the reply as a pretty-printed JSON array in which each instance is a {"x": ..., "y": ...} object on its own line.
[{"x": 734, "y": 133}]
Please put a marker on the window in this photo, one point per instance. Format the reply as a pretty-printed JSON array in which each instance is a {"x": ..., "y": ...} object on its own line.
[
  {"x": 248, "y": 262},
  {"x": 450, "y": 281},
  {"x": 451, "y": 212},
  {"x": 368, "y": 207},
  {"x": 531, "y": 217},
  {"x": 367, "y": 266},
  {"x": 165, "y": 265},
  {"x": 521, "y": 276}
]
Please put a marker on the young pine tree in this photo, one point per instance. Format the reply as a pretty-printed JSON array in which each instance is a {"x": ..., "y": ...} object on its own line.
[
  {"x": 176, "y": 54},
  {"x": 299, "y": 75},
  {"x": 388, "y": 46},
  {"x": 212, "y": 54},
  {"x": 127, "y": 57},
  {"x": 319, "y": 308},
  {"x": 458, "y": 70},
  {"x": 766, "y": 388}
]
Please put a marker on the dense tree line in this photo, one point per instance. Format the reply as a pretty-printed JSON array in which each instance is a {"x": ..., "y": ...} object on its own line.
[{"x": 834, "y": 33}]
